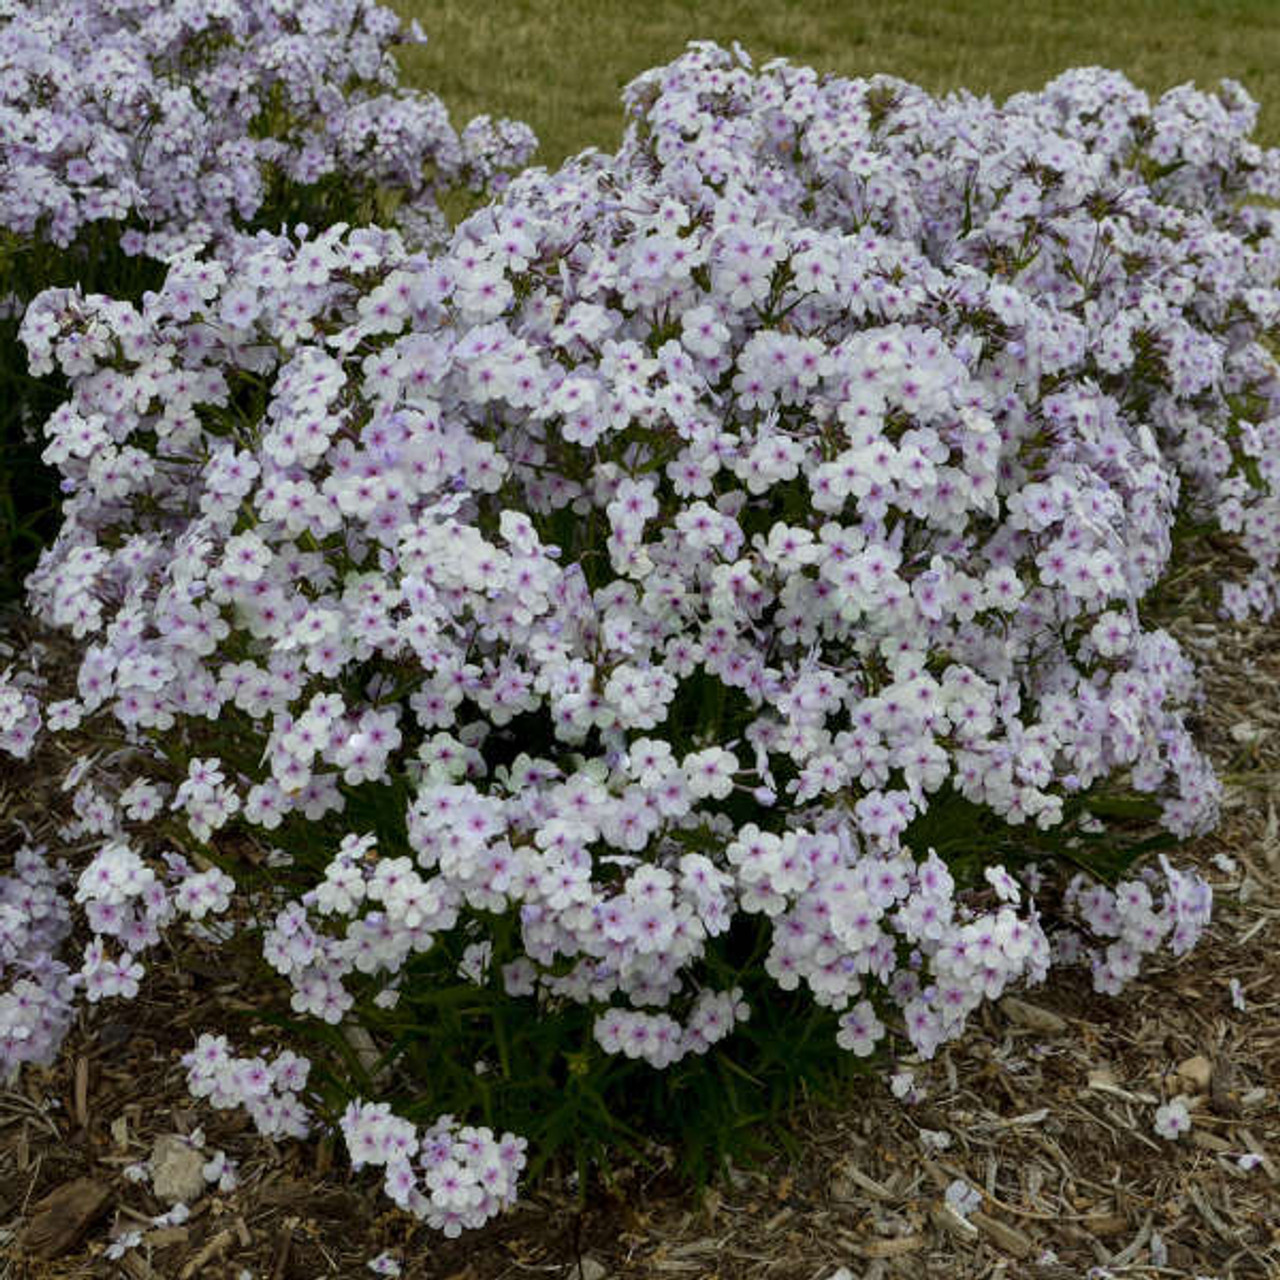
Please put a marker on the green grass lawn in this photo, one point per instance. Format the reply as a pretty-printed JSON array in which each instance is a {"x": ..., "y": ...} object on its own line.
[{"x": 560, "y": 64}]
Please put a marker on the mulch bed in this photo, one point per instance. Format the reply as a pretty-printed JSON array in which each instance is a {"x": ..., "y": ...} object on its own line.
[{"x": 1044, "y": 1108}]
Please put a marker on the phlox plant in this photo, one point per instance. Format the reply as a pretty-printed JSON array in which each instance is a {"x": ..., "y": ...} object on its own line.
[
  {"x": 680, "y": 640},
  {"x": 130, "y": 129}
]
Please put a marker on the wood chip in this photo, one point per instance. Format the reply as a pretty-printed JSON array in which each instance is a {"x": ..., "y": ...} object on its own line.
[
  {"x": 280, "y": 1261},
  {"x": 1099, "y": 1082},
  {"x": 1039, "y": 1116},
  {"x": 1032, "y": 1016},
  {"x": 895, "y": 1248},
  {"x": 1196, "y": 1072},
  {"x": 163, "y": 1237},
  {"x": 1002, "y": 1235},
  {"x": 850, "y": 1173},
  {"x": 284, "y": 1193},
  {"x": 1207, "y": 1141},
  {"x": 1207, "y": 1212},
  {"x": 81, "y": 1101},
  {"x": 1270, "y": 845},
  {"x": 1130, "y": 1251},
  {"x": 947, "y": 1219},
  {"x": 137, "y": 1267},
  {"x": 1222, "y": 1092},
  {"x": 1106, "y": 1224},
  {"x": 785, "y": 1214},
  {"x": 215, "y": 1245},
  {"x": 695, "y": 1248},
  {"x": 60, "y": 1221},
  {"x": 367, "y": 1053}
]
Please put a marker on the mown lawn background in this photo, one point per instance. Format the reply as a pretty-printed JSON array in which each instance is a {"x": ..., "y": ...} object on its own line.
[{"x": 561, "y": 64}]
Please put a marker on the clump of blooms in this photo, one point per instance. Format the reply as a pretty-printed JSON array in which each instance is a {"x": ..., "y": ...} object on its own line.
[
  {"x": 20, "y": 717},
  {"x": 183, "y": 118},
  {"x": 36, "y": 1007},
  {"x": 469, "y": 1175},
  {"x": 1102, "y": 237},
  {"x": 130, "y": 129},
  {"x": 675, "y": 558},
  {"x": 268, "y": 1091}
]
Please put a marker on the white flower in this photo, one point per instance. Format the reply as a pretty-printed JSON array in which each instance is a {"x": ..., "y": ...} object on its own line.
[
  {"x": 963, "y": 1198},
  {"x": 125, "y": 1241},
  {"x": 703, "y": 333},
  {"x": 1003, "y": 883},
  {"x": 902, "y": 1085},
  {"x": 1172, "y": 1119},
  {"x": 709, "y": 773},
  {"x": 860, "y": 1029}
]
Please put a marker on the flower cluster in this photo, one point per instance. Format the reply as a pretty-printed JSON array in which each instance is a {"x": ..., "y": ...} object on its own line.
[
  {"x": 1131, "y": 916},
  {"x": 1101, "y": 237},
  {"x": 667, "y": 552},
  {"x": 36, "y": 1008},
  {"x": 125, "y": 901},
  {"x": 469, "y": 1175},
  {"x": 20, "y": 716},
  {"x": 179, "y": 118},
  {"x": 268, "y": 1091}
]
